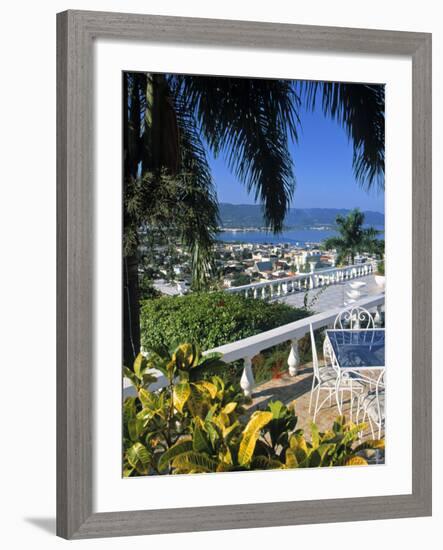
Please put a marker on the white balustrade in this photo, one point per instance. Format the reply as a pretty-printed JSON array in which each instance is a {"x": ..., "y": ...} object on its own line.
[
  {"x": 294, "y": 358},
  {"x": 248, "y": 348},
  {"x": 377, "y": 316},
  {"x": 247, "y": 381},
  {"x": 305, "y": 281}
]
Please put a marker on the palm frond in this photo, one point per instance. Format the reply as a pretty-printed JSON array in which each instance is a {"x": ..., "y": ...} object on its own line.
[
  {"x": 360, "y": 109},
  {"x": 199, "y": 226},
  {"x": 249, "y": 121},
  {"x": 333, "y": 242}
]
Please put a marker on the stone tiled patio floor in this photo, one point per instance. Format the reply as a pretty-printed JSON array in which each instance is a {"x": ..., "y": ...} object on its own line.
[
  {"x": 332, "y": 296},
  {"x": 298, "y": 388}
]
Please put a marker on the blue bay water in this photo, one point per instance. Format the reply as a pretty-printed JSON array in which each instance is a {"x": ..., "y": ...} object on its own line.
[{"x": 294, "y": 236}]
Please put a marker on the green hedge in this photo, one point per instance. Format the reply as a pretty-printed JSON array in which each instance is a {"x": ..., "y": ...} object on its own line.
[{"x": 210, "y": 319}]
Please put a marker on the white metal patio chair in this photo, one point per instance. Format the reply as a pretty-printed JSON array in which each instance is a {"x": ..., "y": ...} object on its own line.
[
  {"x": 327, "y": 379},
  {"x": 354, "y": 318},
  {"x": 372, "y": 405}
]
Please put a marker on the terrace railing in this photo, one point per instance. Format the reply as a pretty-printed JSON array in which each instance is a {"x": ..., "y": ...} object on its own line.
[
  {"x": 273, "y": 289},
  {"x": 248, "y": 348}
]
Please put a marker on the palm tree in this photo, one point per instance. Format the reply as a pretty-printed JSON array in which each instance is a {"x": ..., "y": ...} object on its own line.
[
  {"x": 354, "y": 238},
  {"x": 167, "y": 182},
  {"x": 167, "y": 119}
]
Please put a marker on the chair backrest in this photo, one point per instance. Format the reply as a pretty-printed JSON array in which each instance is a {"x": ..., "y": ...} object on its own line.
[
  {"x": 354, "y": 318},
  {"x": 380, "y": 398},
  {"x": 314, "y": 354}
]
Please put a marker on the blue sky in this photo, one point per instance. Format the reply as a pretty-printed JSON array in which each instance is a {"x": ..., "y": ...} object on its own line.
[{"x": 323, "y": 169}]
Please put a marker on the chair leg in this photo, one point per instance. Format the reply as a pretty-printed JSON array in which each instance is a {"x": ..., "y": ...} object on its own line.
[
  {"x": 379, "y": 430},
  {"x": 312, "y": 391},
  {"x": 371, "y": 426},
  {"x": 359, "y": 409},
  {"x": 316, "y": 403},
  {"x": 357, "y": 420},
  {"x": 351, "y": 404}
]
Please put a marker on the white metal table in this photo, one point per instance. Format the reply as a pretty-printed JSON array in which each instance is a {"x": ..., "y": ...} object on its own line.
[{"x": 356, "y": 351}]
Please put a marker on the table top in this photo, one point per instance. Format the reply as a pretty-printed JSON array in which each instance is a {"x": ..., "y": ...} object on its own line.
[{"x": 358, "y": 349}]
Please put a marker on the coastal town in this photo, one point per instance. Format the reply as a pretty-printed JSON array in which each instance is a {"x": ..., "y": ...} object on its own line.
[{"x": 242, "y": 263}]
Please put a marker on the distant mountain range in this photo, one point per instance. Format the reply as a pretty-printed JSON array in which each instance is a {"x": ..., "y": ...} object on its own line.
[{"x": 250, "y": 215}]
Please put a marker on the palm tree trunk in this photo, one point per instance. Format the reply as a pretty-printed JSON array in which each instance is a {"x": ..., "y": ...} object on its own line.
[
  {"x": 131, "y": 310},
  {"x": 154, "y": 148},
  {"x": 132, "y": 151}
]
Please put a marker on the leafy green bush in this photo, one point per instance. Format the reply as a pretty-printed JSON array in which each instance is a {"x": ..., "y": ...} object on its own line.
[
  {"x": 147, "y": 291},
  {"x": 211, "y": 319}
]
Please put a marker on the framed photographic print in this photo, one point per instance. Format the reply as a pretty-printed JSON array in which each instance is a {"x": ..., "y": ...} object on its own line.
[{"x": 244, "y": 280}]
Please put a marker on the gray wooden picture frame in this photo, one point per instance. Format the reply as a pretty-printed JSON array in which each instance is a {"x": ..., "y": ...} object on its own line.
[{"x": 76, "y": 32}]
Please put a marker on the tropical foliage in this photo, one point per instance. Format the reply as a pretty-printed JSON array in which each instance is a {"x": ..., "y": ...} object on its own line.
[
  {"x": 194, "y": 425},
  {"x": 353, "y": 237},
  {"x": 211, "y": 319}
]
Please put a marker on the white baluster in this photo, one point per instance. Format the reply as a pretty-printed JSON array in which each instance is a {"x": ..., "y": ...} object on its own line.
[
  {"x": 263, "y": 293},
  {"x": 255, "y": 292},
  {"x": 247, "y": 381},
  {"x": 377, "y": 316},
  {"x": 294, "y": 358}
]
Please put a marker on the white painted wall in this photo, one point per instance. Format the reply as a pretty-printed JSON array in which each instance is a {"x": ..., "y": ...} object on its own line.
[{"x": 28, "y": 268}]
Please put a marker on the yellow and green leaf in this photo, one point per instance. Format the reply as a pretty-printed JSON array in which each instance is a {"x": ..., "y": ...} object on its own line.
[
  {"x": 250, "y": 435},
  {"x": 196, "y": 462},
  {"x": 355, "y": 461},
  {"x": 179, "y": 448},
  {"x": 200, "y": 442},
  {"x": 207, "y": 386},
  {"x": 139, "y": 458},
  {"x": 181, "y": 394}
]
